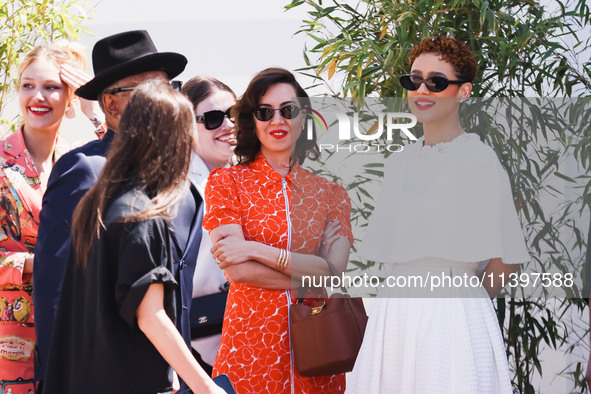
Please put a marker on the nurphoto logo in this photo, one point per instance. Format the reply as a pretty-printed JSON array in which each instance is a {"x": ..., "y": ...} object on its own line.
[{"x": 355, "y": 135}]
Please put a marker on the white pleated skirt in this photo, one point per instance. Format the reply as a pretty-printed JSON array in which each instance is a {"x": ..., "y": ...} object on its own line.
[{"x": 432, "y": 345}]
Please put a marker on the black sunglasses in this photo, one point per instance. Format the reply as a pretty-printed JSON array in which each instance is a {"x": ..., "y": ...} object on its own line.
[
  {"x": 265, "y": 114},
  {"x": 119, "y": 90},
  {"x": 434, "y": 84},
  {"x": 176, "y": 85},
  {"x": 213, "y": 119}
]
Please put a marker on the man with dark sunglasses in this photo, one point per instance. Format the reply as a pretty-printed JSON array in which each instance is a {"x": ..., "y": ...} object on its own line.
[{"x": 121, "y": 62}]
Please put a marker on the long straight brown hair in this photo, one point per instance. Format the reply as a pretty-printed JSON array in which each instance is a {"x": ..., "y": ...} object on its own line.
[{"x": 154, "y": 144}]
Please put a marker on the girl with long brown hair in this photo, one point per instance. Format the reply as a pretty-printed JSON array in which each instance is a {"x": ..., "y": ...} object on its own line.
[{"x": 114, "y": 326}]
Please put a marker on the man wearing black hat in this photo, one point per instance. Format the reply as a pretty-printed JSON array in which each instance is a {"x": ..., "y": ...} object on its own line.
[{"x": 120, "y": 62}]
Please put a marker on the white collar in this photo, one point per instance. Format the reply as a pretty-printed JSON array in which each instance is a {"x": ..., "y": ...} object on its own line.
[{"x": 198, "y": 173}]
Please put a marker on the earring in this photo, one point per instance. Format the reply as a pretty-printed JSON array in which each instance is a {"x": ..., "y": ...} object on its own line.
[{"x": 71, "y": 112}]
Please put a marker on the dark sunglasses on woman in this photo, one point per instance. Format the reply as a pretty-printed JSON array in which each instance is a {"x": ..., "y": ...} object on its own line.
[
  {"x": 434, "y": 84},
  {"x": 265, "y": 114},
  {"x": 213, "y": 119}
]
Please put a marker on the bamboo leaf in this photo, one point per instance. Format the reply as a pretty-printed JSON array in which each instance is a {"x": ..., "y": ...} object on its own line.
[
  {"x": 566, "y": 178},
  {"x": 383, "y": 33}
]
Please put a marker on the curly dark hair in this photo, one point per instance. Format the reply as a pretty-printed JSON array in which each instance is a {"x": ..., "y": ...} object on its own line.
[
  {"x": 455, "y": 52},
  {"x": 247, "y": 143}
]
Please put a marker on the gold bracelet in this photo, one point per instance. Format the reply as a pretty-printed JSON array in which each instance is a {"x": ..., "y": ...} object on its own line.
[
  {"x": 281, "y": 264},
  {"x": 286, "y": 259},
  {"x": 278, "y": 263}
]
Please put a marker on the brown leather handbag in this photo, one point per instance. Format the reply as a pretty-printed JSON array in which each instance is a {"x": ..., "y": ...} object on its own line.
[{"x": 326, "y": 339}]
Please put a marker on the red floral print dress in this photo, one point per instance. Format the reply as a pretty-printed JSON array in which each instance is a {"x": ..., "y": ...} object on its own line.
[
  {"x": 20, "y": 203},
  {"x": 255, "y": 349}
]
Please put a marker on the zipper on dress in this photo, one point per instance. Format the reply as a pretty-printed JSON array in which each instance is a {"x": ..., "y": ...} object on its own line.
[
  {"x": 287, "y": 293},
  {"x": 291, "y": 363},
  {"x": 287, "y": 211}
]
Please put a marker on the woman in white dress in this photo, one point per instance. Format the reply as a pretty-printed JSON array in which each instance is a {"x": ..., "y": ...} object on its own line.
[{"x": 445, "y": 216}]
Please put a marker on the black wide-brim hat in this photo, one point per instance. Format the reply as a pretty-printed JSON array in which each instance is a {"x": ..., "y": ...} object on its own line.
[{"x": 125, "y": 54}]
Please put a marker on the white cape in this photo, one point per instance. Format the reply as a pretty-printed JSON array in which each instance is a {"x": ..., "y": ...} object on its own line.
[{"x": 452, "y": 201}]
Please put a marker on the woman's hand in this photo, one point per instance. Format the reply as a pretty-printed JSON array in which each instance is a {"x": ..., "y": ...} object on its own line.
[
  {"x": 496, "y": 270},
  {"x": 329, "y": 236},
  {"x": 28, "y": 266},
  {"x": 76, "y": 78},
  {"x": 253, "y": 272},
  {"x": 231, "y": 250},
  {"x": 161, "y": 331}
]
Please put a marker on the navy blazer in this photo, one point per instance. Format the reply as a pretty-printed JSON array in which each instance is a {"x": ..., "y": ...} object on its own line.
[
  {"x": 186, "y": 237},
  {"x": 71, "y": 177}
]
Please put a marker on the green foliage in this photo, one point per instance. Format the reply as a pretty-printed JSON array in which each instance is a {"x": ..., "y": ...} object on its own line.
[
  {"x": 25, "y": 23},
  {"x": 524, "y": 48}
]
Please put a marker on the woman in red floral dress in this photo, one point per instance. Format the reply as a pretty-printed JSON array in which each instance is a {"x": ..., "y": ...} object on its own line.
[
  {"x": 267, "y": 218},
  {"x": 48, "y": 75}
]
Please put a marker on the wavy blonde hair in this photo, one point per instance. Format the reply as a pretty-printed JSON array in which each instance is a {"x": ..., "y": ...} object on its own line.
[{"x": 57, "y": 53}]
